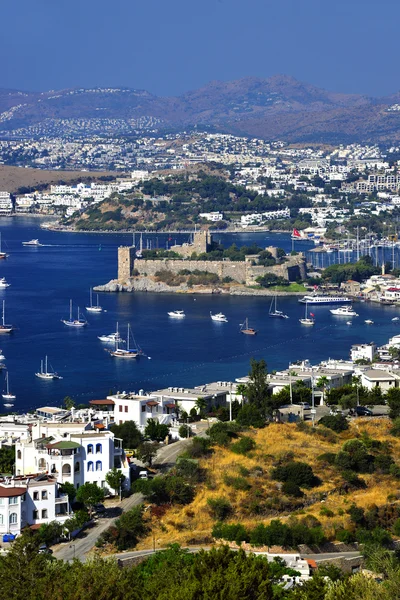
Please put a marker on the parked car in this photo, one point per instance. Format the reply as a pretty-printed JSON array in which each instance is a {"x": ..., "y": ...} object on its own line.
[
  {"x": 363, "y": 411},
  {"x": 143, "y": 475},
  {"x": 43, "y": 549}
]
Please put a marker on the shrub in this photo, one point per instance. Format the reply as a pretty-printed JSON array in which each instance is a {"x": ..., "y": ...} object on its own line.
[
  {"x": 184, "y": 431},
  {"x": 296, "y": 472},
  {"x": 377, "y": 536},
  {"x": 220, "y": 508},
  {"x": 356, "y": 514},
  {"x": 354, "y": 456},
  {"x": 328, "y": 458},
  {"x": 292, "y": 489},
  {"x": 222, "y": 433},
  {"x": 395, "y": 470},
  {"x": 337, "y": 423},
  {"x": 326, "y": 512},
  {"x": 231, "y": 533},
  {"x": 250, "y": 416},
  {"x": 383, "y": 463},
  {"x": 238, "y": 483},
  {"x": 243, "y": 446},
  {"x": 396, "y": 527},
  {"x": 345, "y": 536}
]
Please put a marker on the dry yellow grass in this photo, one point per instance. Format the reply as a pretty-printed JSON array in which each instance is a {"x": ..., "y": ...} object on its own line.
[
  {"x": 12, "y": 178},
  {"x": 193, "y": 523}
]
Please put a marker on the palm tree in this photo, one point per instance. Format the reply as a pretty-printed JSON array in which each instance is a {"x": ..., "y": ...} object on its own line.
[
  {"x": 323, "y": 382},
  {"x": 201, "y": 404}
]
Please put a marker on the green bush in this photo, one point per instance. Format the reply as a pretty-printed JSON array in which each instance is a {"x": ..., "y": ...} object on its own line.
[
  {"x": 337, "y": 423},
  {"x": 250, "y": 416},
  {"x": 345, "y": 536},
  {"x": 243, "y": 446},
  {"x": 231, "y": 533},
  {"x": 238, "y": 483},
  {"x": 220, "y": 508},
  {"x": 328, "y": 458},
  {"x": 292, "y": 489},
  {"x": 296, "y": 472}
]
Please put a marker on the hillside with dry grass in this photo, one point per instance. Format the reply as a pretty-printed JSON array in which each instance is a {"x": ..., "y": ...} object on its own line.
[{"x": 245, "y": 482}]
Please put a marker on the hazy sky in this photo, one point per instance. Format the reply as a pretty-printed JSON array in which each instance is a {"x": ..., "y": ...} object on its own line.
[{"x": 171, "y": 46}]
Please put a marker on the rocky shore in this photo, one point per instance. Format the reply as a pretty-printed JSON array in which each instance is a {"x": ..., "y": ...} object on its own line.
[{"x": 147, "y": 284}]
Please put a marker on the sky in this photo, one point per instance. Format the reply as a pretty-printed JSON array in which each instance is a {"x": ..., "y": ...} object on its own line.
[{"x": 171, "y": 46}]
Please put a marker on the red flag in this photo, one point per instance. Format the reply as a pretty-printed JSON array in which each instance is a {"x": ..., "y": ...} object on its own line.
[
  {"x": 312, "y": 315},
  {"x": 296, "y": 233}
]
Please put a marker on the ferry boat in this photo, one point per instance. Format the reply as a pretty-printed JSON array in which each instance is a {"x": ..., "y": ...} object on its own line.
[
  {"x": 32, "y": 243},
  {"x": 78, "y": 322},
  {"x": 177, "y": 314},
  {"x": 316, "y": 299},
  {"x": 220, "y": 317},
  {"x": 273, "y": 312},
  {"x": 244, "y": 328},
  {"x": 344, "y": 311}
]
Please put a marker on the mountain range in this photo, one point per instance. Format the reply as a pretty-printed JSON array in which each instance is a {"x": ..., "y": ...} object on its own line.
[{"x": 279, "y": 107}]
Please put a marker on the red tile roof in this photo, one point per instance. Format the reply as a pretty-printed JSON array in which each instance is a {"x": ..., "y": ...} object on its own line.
[
  {"x": 100, "y": 402},
  {"x": 152, "y": 403},
  {"x": 11, "y": 492}
]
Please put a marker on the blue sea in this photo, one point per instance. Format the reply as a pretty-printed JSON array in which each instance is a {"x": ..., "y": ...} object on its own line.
[{"x": 193, "y": 351}]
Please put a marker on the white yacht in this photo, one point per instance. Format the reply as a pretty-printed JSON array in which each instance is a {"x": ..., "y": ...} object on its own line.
[
  {"x": 307, "y": 320},
  {"x": 3, "y": 283},
  {"x": 368, "y": 322},
  {"x": 7, "y": 395},
  {"x": 2, "y": 357},
  {"x": 111, "y": 338},
  {"x": 177, "y": 314},
  {"x": 315, "y": 299},
  {"x": 78, "y": 322},
  {"x": 32, "y": 243},
  {"x": 220, "y": 317},
  {"x": 395, "y": 319},
  {"x": 94, "y": 308},
  {"x": 44, "y": 373},
  {"x": 344, "y": 311}
]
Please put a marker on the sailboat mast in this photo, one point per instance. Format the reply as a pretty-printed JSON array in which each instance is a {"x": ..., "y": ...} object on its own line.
[
  {"x": 45, "y": 364},
  {"x": 127, "y": 341},
  {"x": 91, "y": 296},
  {"x": 4, "y": 308},
  {"x": 70, "y": 310}
]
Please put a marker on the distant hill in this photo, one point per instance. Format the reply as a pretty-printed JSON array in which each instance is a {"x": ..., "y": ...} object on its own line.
[{"x": 279, "y": 107}]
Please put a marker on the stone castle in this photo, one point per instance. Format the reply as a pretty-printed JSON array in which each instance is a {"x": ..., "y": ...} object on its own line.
[{"x": 243, "y": 272}]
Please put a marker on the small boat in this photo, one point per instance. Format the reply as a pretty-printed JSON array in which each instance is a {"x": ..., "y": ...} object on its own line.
[
  {"x": 129, "y": 352},
  {"x": 8, "y": 404},
  {"x": 396, "y": 319},
  {"x": 307, "y": 320},
  {"x": 78, "y": 322},
  {"x": 111, "y": 338},
  {"x": 349, "y": 323},
  {"x": 3, "y": 283},
  {"x": 45, "y": 373},
  {"x": 177, "y": 314},
  {"x": 7, "y": 395},
  {"x": 244, "y": 328},
  {"x": 95, "y": 308},
  {"x": 3, "y": 255},
  {"x": 3, "y": 327},
  {"x": 32, "y": 243},
  {"x": 344, "y": 311},
  {"x": 273, "y": 312},
  {"x": 368, "y": 322},
  {"x": 220, "y": 317},
  {"x": 2, "y": 357}
]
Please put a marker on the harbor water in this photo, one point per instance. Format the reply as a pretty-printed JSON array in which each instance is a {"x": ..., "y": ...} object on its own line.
[{"x": 184, "y": 352}]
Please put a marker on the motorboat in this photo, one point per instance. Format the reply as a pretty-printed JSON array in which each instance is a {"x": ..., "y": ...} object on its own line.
[
  {"x": 396, "y": 319},
  {"x": 7, "y": 395},
  {"x": 324, "y": 299},
  {"x": 112, "y": 338},
  {"x": 344, "y": 311},
  {"x": 44, "y": 373},
  {"x": 94, "y": 308},
  {"x": 307, "y": 320},
  {"x": 35, "y": 243},
  {"x": 368, "y": 322},
  {"x": 220, "y": 317},
  {"x": 2, "y": 357},
  {"x": 3, "y": 283},
  {"x": 273, "y": 312},
  {"x": 177, "y": 314},
  {"x": 8, "y": 404},
  {"x": 349, "y": 323},
  {"x": 4, "y": 328},
  {"x": 244, "y": 328},
  {"x": 78, "y": 322},
  {"x": 134, "y": 352}
]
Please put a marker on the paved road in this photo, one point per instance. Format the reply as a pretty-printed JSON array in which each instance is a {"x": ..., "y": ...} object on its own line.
[{"x": 79, "y": 548}]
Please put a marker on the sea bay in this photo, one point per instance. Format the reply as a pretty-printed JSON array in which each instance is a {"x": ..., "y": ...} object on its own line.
[{"x": 191, "y": 351}]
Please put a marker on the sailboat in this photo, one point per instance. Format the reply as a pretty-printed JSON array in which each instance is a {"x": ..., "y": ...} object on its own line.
[
  {"x": 273, "y": 312},
  {"x": 8, "y": 396},
  {"x": 79, "y": 322},
  {"x": 244, "y": 328},
  {"x": 3, "y": 327},
  {"x": 307, "y": 320},
  {"x": 2, "y": 254},
  {"x": 129, "y": 352},
  {"x": 45, "y": 373},
  {"x": 94, "y": 308}
]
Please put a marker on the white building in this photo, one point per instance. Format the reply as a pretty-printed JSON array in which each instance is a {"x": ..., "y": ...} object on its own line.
[
  {"x": 363, "y": 352},
  {"x": 6, "y": 205},
  {"x": 377, "y": 378},
  {"x": 31, "y": 501},
  {"x": 213, "y": 216}
]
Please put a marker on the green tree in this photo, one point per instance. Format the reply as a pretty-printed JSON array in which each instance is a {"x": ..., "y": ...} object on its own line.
[
  {"x": 90, "y": 494},
  {"x": 69, "y": 489},
  {"x": 147, "y": 451},
  {"x": 156, "y": 431},
  {"x": 69, "y": 402},
  {"x": 393, "y": 401},
  {"x": 129, "y": 433},
  {"x": 7, "y": 459},
  {"x": 184, "y": 431},
  {"x": 50, "y": 532},
  {"x": 323, "y": 383},
  {"x": 257, "y": 390},
  {"x": 115, "y": 479}
]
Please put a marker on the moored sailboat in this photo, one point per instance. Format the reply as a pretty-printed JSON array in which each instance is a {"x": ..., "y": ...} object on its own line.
[
  {"x": 129, "y": 352},
  {"x": 4, "y": 328},
  {"x": 273, "y": 312},
  {"x": 95, "y": 308},
  {"x": 307, "y": 320},
  {"x": 78, "y": 322},
  {"x": 244, "y": 328},
  {"x": 44, "y": 373},
  {"x": 7, "y": 395}
]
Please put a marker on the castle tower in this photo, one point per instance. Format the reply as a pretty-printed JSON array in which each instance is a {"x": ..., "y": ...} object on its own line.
[{"x": 126, "y": 261}]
